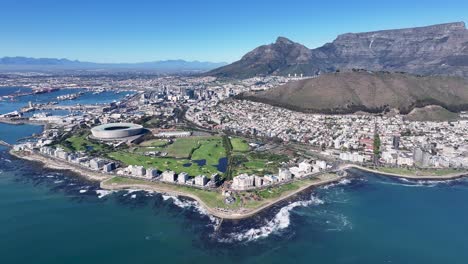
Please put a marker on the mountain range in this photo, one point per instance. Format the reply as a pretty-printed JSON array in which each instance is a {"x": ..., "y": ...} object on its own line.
[
  {"x": 25, "y": 63},
  {"x": 432, "y": 50}
]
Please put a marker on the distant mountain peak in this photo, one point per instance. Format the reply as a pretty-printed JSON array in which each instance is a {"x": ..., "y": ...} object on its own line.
[
  {"x": 431, "y": 50},
  {"x": 26, "y": 63},
  {"x": 283, "y": 40}
]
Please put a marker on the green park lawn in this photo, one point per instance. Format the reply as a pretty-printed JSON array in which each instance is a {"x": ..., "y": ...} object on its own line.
[
  {"x": 256, "y": 163},
  {"x": 179, "y": 148},
  {"x": 81, "y": 143},
  {"x": 155, "y": 143},
  {"x": 181, "y": 151},
  {"x": 210, "y": 150},
  {"x": 239, "y": 145},
  {"x": 162, "y": 163}
]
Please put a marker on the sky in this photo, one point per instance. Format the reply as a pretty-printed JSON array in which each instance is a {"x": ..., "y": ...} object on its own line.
[{"x": 205, "y": 30}]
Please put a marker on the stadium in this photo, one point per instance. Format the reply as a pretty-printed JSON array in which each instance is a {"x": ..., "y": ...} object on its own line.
[{"x": 117, "y": 131}]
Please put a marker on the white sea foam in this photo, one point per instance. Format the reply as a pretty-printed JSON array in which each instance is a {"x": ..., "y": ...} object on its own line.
[
  {"x": 130, "y": 191},
  {"x": 278, "y": 223},
  {"x": 103, "y": 193},
  {"x": 419, "y": 183},
  {"x": 83, "y": 191},
  {"x": 344, "y": 181},
  {"x": 133, "y": 196},
  {"x": 338, "y": 222},
  {"x": 149, "y": 193},
  {"x": 7, "y": 160},
  {"x": 191, "y": 204},
  {"x": 58, "y": 181}
]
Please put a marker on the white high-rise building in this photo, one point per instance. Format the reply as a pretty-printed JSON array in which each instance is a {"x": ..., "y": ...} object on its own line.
[
  {"x": 243, "y": 182},
  {"x": 168, "y": 176},
  {"x": 284, "y": 174},
  {"x": 201, "y": 180}
]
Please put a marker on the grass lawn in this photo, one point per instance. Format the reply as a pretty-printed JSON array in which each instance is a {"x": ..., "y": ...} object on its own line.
[
  {"x": 277, "y": 191},
  {"x": 210, "y": 150},
  {"x": 181, "y": 151},
  {"x": 239, "y": 145},
  {"x": 162, "y": 163},
  {"x": 255, "y": 163},
  {"x": 155, "y": 143},
  {"x": 418, "y": 172},
  {"x": 81, "y": 143},
  {"x": 180, "y": 148}
]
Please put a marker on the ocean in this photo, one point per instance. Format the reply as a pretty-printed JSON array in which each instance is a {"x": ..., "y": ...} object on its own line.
[{"x": 50, "y": 216}]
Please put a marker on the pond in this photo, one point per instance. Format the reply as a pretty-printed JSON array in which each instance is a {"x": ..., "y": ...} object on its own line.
[{"x": 222, "y": 164}]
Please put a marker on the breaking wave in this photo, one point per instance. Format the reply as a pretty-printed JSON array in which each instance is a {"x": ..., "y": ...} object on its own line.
[
  {"x": 279, "y": 222},
  {"x": 344, "y": 181},
  {"x": 191, "y": 204},
  {"x": 103, "y": 193},
  {"x": 130, "y": 191},
  {"x": 420, "y": 183}
]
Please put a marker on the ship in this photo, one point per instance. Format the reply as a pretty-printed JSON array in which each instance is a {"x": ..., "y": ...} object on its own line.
[
  {"x": 69, "y": 96},
  {"x": 44, "y": 90}
]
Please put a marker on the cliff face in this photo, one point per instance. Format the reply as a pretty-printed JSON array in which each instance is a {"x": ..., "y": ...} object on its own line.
[
  {"x": 418, "y": 50},
  {"x": 437, "y": 49}
]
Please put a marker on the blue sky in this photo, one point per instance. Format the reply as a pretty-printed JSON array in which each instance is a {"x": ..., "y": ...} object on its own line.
[{"x": 135, "y": 31}]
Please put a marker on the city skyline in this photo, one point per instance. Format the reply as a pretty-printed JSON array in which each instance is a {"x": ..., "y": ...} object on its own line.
[{"x": 204, "y": 31}]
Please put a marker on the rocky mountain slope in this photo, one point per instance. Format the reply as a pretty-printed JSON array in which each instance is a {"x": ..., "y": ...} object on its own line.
[
  {"x": 348, "y": 92},
  {"x": 438, "y": 49}
]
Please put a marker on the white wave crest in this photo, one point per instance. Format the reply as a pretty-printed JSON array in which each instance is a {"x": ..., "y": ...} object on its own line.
[
  {"x": 191, "y": 204},
  {"x": 344, "y": 181},
  {"x": 103, "y": 193},
  {"x": 83, "y": 191},
  {"x": 129, "y": 191},
  {"x": 419, "y": 183},
  {"x": 278, "y": 223}
]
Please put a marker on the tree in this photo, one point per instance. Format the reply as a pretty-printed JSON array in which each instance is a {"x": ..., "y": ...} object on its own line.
[{"x": 377, "y": 146}]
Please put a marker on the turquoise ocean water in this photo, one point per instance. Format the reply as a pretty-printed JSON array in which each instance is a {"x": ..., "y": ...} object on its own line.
[{"x": 49, "y": 216}]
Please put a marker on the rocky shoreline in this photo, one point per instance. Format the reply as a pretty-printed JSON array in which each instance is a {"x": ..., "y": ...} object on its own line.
[
  {"x": 223, "y": 214},
  {"x": 57, "y": 165},
  {"x": 101, "y": 178},
  {"x": 235, "y": 215}
]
